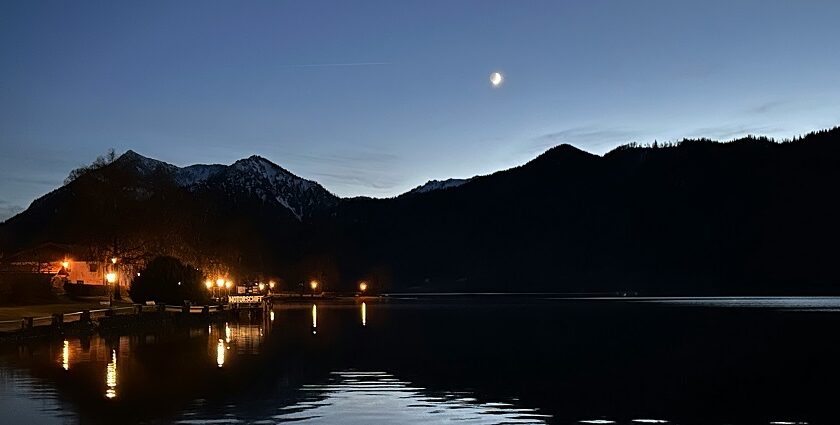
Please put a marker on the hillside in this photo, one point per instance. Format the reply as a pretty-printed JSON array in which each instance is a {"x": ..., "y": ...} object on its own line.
[{"x": 747, "y": 216}]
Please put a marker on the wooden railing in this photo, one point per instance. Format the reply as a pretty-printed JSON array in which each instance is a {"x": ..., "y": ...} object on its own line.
[{"x": 92, "y": 316}]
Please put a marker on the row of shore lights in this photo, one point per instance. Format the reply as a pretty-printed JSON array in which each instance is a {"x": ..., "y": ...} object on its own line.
[
  {"x": 219, "y": 282},
  {"x": 112, "y": 277},
  {"x": 362, "y": 285},
  {"x": 228, "y": 284}
]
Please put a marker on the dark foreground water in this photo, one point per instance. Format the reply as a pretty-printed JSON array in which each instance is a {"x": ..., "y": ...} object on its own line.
[{"x": 460, "y": 360}]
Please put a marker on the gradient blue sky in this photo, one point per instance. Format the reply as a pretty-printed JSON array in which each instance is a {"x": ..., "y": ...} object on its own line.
[{"x": 376, "y": 97}]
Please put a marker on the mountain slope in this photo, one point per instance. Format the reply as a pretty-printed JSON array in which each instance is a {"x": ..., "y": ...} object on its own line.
[
  {"x": 250, "y": 177},
  {"x": 205, "y": 213},
  {"x": 702, "y": 217},
  {"x": 748, "y": 216}
]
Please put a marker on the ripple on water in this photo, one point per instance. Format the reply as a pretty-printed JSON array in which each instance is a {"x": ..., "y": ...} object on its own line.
[{"x": 355, "y": 397}]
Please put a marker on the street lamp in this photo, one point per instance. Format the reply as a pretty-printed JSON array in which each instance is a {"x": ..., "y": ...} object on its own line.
[
  {"x": 313, "y": 285},
  {"x": 261, "y": 286},
  {"x": 111, "y": 278},
  {"x": 219, "y": 283},
  {"x": 363, "y": 286}
]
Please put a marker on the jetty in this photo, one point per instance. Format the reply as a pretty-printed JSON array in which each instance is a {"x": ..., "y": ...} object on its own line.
[{"x": 130, "y": 316}]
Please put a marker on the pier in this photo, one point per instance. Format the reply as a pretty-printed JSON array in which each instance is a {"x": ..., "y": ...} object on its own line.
[{"x": 129, "y": 316}]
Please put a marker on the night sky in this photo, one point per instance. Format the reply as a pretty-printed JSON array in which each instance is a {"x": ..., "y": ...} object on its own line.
[{"x": 376, "y": 97}]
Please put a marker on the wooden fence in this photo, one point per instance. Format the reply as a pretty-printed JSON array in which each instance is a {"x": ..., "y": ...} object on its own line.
[{"x": 93, "y": 317}]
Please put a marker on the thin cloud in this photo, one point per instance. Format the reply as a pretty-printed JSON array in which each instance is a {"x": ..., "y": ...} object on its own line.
[
  {"x": 8, "y": 210},
  {"x": 342, "y": 171},
  {"x": 334, "y": 65},
  {"x": 583, "y": 137},
  {"x": 729, "y": 131},
  {"x": 351, "y": 179},
  {"x": 768, "y": 107},
  {"x": 34, "y": 181}
]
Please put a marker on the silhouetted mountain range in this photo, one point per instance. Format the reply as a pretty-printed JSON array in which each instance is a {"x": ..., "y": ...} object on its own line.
[{"x": 750, "y": 216}]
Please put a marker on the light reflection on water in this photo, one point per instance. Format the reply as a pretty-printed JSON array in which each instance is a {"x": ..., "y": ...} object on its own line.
[
  {"x": 524, "y": 362},
  {"x": 359, "y": 397},
  {"x": 111, "y": 376},
  {"x": 826, "y": 304}
]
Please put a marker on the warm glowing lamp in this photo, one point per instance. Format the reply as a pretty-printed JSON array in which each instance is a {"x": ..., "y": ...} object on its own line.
[
  {"x": 65, "y": 264},
  {"x": 208, "y": 283},
  {"x": 111, "y": 277},
  {"x": 262, "y": 286},
  {"x": 220, "y": 282},
  {"x": 271, "y": 284},
  {"x": 228, "y": 284},
  {"x": 113, "y": 260},
  {"x": 313, "y": 285},
  {"x": 363, "y": 286}
]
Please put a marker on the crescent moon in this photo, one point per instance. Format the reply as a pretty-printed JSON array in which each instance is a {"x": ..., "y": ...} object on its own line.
[{"x": 496, "y": 79}]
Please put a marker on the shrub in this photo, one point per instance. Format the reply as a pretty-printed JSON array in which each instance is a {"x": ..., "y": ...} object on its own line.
[{"x": 168, "y": 280}]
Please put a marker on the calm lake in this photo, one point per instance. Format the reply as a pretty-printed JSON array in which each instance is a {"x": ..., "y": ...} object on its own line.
[{"x": 490, "y": 359}]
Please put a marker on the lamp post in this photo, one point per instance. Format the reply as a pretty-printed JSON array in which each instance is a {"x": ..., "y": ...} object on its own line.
[
  {"x": 111, "y": 277},
  {"x": 219, "y": 283}
]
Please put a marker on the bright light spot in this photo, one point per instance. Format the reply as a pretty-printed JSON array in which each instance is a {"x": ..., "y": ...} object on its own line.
[
  {"x": 314, "y": 317},
  {"x": 65, "y": 264},
  {"x": 111, "y": 277},
  {"x": 313, "y": 285},
  {"x": 364, "y": 314},
  {"x": 271, "y": 315},
  {"x": 65, "y": 355},
  {"x": 262, "y": 286},
  {"x": 228, "y": 284},
  {"x": 113, "y": 260},
  {"x": 227, "y": 332},
  {"x": 496, "y": 79},
  {"x": 363, "y": 286},
  {"x": 220, "y": 353},
  {"x": 220, "y": 282},
  {"x": 111, "y": 376},
  {"x": 271, "y": 284},
  {"x": 208, "y": 283}
]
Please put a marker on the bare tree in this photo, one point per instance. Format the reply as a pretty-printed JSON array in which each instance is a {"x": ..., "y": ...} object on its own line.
[{"x": 99, "y": 162}]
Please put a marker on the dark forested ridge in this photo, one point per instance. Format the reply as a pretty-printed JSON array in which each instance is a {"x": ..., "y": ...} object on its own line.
[{"x": 751, "y": 216}]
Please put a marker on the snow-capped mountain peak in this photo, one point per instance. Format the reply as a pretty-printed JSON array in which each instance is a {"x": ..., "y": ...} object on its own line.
[
  {"x": 197, "y": 174},
  {"x": 142, "y": 164},
  {"x": 252, "y": 176},
  {"x": 433, "y": 185}
]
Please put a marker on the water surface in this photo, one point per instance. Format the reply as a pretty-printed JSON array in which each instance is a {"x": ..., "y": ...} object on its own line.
[{"x": 458, "y": 359}]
